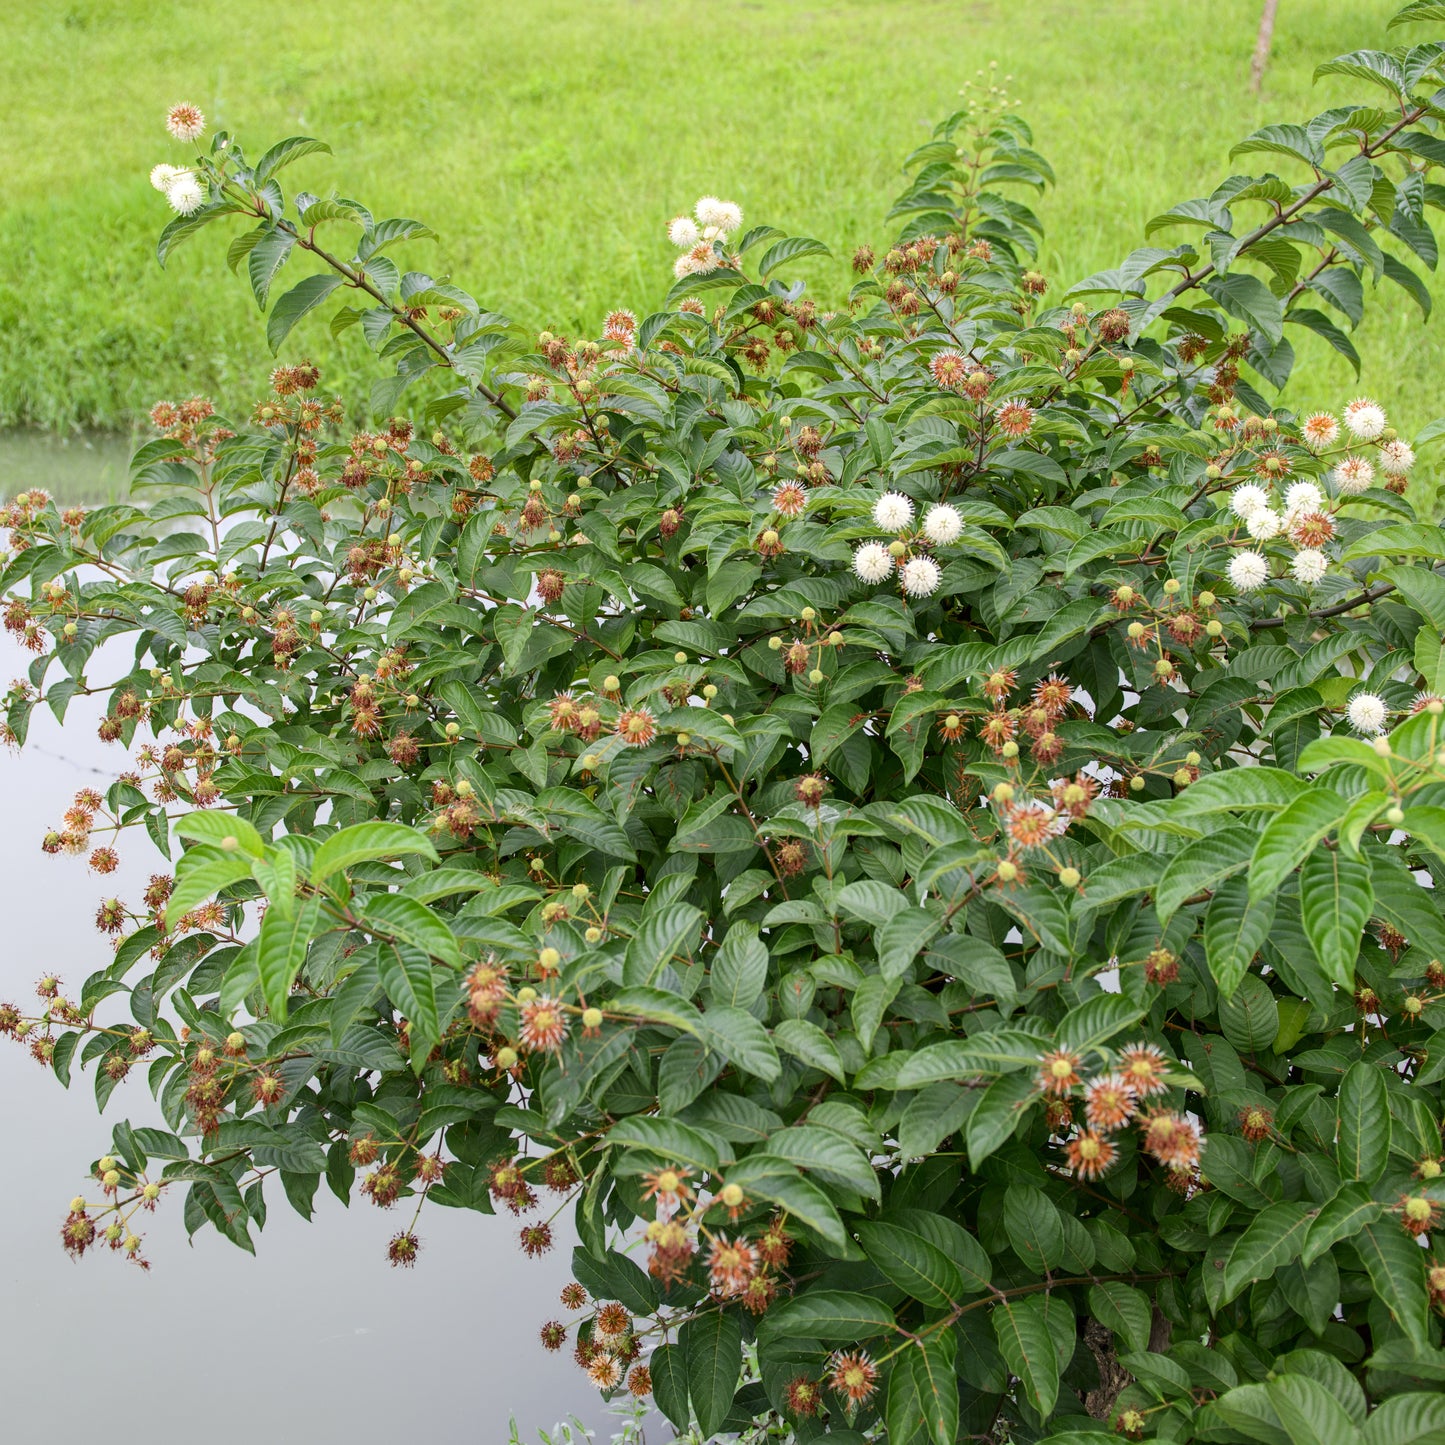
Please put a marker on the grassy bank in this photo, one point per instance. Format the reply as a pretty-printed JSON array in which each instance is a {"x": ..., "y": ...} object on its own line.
[{"x": 549, "y": 142}]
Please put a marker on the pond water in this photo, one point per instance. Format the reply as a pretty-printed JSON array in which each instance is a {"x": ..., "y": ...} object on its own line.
[{"x": 316, "y": 1338}]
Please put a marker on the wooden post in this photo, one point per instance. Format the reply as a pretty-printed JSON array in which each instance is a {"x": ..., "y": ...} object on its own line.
[{"x": 1261, "y": 45}]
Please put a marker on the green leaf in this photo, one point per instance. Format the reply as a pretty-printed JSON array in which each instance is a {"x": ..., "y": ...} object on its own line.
[
  {"x": 1248, "y": 299},
  {"x": 1274, "y": 1237},
  {"x": 284, "y": 152},
  {"x": 668, "y": 1364},
  {"x": 1342, "y": 1218},
  {"x": 900, "y": 939},
  {"x": 365, "y": 842},
  {"x": 762, "y": 1176},
  {"x": 791, "y": 248},
  {"x": 1235, "y": 929},
  {"x": 1097, "y": 1020},
  {"x": 1034, "y": 1227},
  {"x": 268, "y": 255},
  {"x": 712, "y": 1343},
  {"x": 1290, "y": 836},
  {"x": 738, "y": 1036},
  {"x": 281, "y": 953},
  {"x": 1124, "y": 1310},
  {"x": 407, "y": 975},
  {"x": 225, "y": 830},
  {"x": 1021, "y": 1328},
  {"x": 1396, "y": 1267},
  {"x": 1202, "y": 865},
  {"x": 1363, "y": 1122},
  {"x": 832, "y": 1316},
  {"x": 407, "y": 921},
  {"x": 671, "y": 1140},
  {"x": 1413, "y": 1419},
  {"x": 300, "y": 299},
  {"x": 665, "y": 933},
  {"x": 1309, "y": 1414},
  {"x": 922, "y": 1407},
  {"x": 739, "y": 971},
  {"x": 806, "y": 1041},
  {"x": 918, "y": 1267},
  {"x": 201, "y": 874},
  {"x": 1336, "y": 898}
]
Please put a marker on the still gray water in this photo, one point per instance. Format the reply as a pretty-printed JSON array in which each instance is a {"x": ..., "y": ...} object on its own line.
[{"x": 330, "y": 1342}]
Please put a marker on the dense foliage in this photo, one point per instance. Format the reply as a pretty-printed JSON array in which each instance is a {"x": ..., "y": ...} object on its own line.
[{"x": 918, "y": 820}]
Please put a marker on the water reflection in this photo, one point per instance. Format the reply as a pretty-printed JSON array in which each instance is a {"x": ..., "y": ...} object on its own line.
[
  {"x": 329, "y": 1341},
  {"x": 82, "y": 467}
]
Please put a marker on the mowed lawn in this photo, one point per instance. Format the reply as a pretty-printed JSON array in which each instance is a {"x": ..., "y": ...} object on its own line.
[{"x": 549, "y": 141}]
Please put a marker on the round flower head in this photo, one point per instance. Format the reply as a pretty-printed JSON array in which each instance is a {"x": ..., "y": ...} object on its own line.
[
  {"x": 1319, "y": 431},
  {"x": 1353, "y": 476},
  {"x": 1248, "y": 571},
  {"x": 1245, "y": 501},
  {"x": 1309, "y": 565},
  {"x": 723, "y": 215},
  {"x": 163, "y": 174},
  {"x": 872, "y": 562},
  {"x": 185, "y": 121},
  {"x": 893, "y": 511},
  {"x": 920, "y": 576},
  {"x": 185, "y": 194},
  {"x": 942, "y": 524},
  {"x": 1264, "y": 524},
  {"x": 1364, "y": 418},
  {"x": 1396, "y": 458},
  {"x": 1303, "y": 497},
  {"x": 1366, "y": 713},
  {"x": 683, "y": 231}
]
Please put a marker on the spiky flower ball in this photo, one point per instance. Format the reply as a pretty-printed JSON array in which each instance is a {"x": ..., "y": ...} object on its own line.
[
  {"x": 872, "y": 562},
  {"x": 185, "y": 121},
  {"x": 1366, "y": 713},
  {"x": 403, "y": 1250}
]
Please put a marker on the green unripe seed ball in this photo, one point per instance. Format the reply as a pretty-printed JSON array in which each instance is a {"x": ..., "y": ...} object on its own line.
[
  {"x": 1213, "y": 471},
  {"x": 679, "y": 657},
  {"x": 539, "y": 865},
  {"x": 581, "y": 892},
  {"x": 774, "y": 643},
  {"x": 896, "y": 549},
  {"x": 1214, "y": 627},
  {"x": 506, "y": 1058},
  {"x": 465, "y": 789},
  {"x": 454, "y": 729},
  {"x": 808, "y": 614},
  {"x": 816, "y": 676},
  {"x": 592, "y": 1018},
  {"x": 535, "y": 484},
  {"x": 593, "y": 934},
  {"x": 1193, "y": 759},
  {"x": 1010, "y": 750},
  {"x": 316, "y": 616},
  {"x": 1394, "y": 816},
  {"x": 590, "y": 761},
  {"x": 1124, "y": 593},
  {"x": 1070, "y": 877},
  {"x": 683, "y": 739},
  {"x": 526, "y": 995},
  {"x": 550, "y": 959},
  {"x": 1136, "y": 784},
  {"x": 1206, "y": 599},
  {"x": 1381, "y": 746},
  {"x": 370, "y": 594},
  {"x": 611, "y": 682},
  {"x": 106, "y": 1164},
  {"x": 710, "y": 691},
  {"x": 1171, "y": 586},
  {"x": 110, "y": 1178},
  {"x": 1182, "y": 778},
  {"x": 412, "y": 700}
]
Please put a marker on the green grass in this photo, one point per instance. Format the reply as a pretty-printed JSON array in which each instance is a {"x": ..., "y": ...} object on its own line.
[{"x": 548, "y": 141}]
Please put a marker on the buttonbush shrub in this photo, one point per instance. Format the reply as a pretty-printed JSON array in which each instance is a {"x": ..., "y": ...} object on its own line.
[{"x": 915, "y": 818}]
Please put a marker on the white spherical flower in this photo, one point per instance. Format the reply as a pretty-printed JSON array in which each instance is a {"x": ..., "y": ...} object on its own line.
[
  {"x": 1263, "y": 524},
  {"x": 729, "y": 217},
  {"x": 163, "y": 174},
  {"x": 1319, "y": 431},
  {"x": 1365, "y": 418},
  {"x": 185, "y": 121},
  {"x": 872, "y": 562},
  {"x": 893, "y": 511},
  {"x": 712, "y": 212},
  {"x": 685, "y": 265},
  {"x": 1303, "y": 497},
  {"x": 682, "y": 231},
  {"x": 1248, "y": 571},
  {"x": 920, "y": 576},
  {"x": 1396, "y": 458},
  {"x": 1353, "y": 476},
  {"x": 1245, "y": 500},
  {"x": 943, "y": 524},
  {"x": 185, "y": 194},
  {"x": 1309, "y": 565},
  {"x": 1366, "y": 713}
]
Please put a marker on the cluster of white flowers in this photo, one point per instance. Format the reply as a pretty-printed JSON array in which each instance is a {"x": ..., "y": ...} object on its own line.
[
  {"x": 919, "y": 576},
  {"x": 1304, "y": 517},
  {"x": 177, "y": 184},
  {"x": 711, "y": 223}
]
